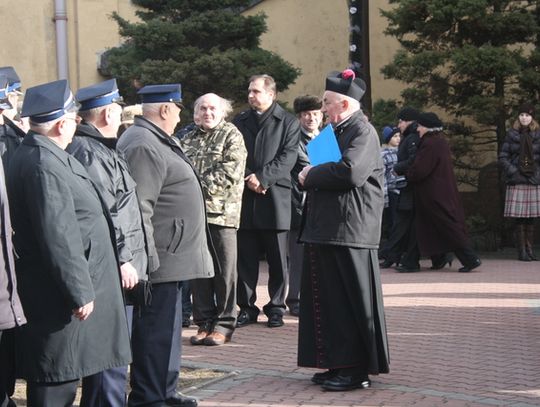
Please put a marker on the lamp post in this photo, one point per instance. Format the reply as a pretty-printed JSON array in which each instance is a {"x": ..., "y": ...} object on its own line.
[{"x": 359, "y": 45}]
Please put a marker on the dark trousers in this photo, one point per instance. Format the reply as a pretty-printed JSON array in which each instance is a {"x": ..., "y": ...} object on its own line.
[
  {"x": 107, "y": 388},
  {"x": 51, "y": 394},
  {"x": 187, "y": 306},
  {"x": 251, "y": 243},
  {"x": 401, "y": 246},
  {"x": 296, "y": 255},
  {"x": 214, "y": 299},
  {"x": 7, "y": 366},
  {"x": 156, "y": 344}
]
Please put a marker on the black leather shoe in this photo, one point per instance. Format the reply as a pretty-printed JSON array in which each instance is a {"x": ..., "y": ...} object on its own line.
[
  {"x": 294, "y": 310},
  {"x": 180, "y": 400},
  {"x": 275, "y": 321},
  {"x": 406, "y": 269},
  {"x": 244, "y": 319},
  {"x": 319, "y": 378},
  {"x": 466, "y": 269},
  {"x": 386, "y": 264},
  {"x": 343, "y": 383},
  {"x": 448, "y": 258}
]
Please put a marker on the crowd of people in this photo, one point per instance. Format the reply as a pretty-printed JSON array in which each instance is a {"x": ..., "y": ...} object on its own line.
[{"x": 117, "y": 218}]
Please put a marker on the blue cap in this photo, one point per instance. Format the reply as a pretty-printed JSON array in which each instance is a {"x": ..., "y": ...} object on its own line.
[
  {"x": 13, "y": 79},
  {"x": 4, "y": 101},
  {"x": 388, "y": 132},
  {"x": 100, "y": 94},
  {"x": 49, "y": 101},
  {"x": 162, "y": 94}
]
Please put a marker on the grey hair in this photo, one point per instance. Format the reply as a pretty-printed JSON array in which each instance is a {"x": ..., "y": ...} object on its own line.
[
  {"x": 226, "y": 105},
  {"x": 91, "y": 114},
  {"x": 151, "y": 109},
  {"x": 45, "y": 127}
]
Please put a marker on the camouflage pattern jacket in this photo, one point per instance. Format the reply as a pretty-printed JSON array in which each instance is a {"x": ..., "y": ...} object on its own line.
[{"x": 219, "y": 156}]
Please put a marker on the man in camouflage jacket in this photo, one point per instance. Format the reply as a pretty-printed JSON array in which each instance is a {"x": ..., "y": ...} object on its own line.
[{"x": 216, "y": 149}]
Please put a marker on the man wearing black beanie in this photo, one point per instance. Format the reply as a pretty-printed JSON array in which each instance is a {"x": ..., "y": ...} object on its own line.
[{"x": 401, "y": 247}]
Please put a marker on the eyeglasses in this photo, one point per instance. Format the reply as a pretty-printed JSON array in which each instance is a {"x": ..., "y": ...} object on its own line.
[{"x": 77, "y": 119}]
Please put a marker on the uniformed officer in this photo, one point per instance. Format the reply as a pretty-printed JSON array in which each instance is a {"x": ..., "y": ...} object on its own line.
[
  {"x": 11, "y": 312},
  {"x": 11, "y": 134},
  {"x": 94, "y": 146},
  {"x": 174, "y": 216},
  {"x": 67, "y": 270}
]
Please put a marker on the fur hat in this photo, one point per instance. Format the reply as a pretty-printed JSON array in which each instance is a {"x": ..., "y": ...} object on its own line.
[
  {"x": 307, "y": 103},
  {"x": 526, "y": 108},
  {"x": 429, "y": 120},
  {"x": 408, "y": 114}
]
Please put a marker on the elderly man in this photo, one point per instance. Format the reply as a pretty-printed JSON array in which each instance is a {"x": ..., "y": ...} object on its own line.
[
  {"x": 308, "y": 111},
  {"x": 67, "y": 270},
  {"x": 216, "y": 149},
  {"x": 11, "y": 135},
  {"x": 342, "y": 324},
  {"x": 271, "y": 137},
  {"x": 11, "y": 312},
  {"x": 94, "y": 146},
  {"x": 174, "y": 217}
]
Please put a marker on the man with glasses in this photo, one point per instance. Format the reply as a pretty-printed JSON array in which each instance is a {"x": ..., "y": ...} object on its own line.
[
  {"x": 174, "y": 217},
  {"x": 67, "y": 270}
]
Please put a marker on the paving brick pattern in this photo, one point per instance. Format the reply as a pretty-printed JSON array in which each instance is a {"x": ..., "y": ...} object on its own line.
[{"x": 455, "y": 339}]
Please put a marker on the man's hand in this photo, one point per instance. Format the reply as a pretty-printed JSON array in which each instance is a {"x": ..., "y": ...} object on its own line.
[
  {"x": 253, "y": 183},
  {"x": 129, "y": 276},
  {"x": 84, "y": 312},
  {"x": 303, "y": 174}
]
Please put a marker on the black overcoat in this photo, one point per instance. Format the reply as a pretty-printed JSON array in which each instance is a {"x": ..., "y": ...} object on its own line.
[
  {"x": 110, "y": 174},
  {"x": 439, "y": 216},
  {"x": 65, "y": 242},
  {"x": 272, "y": 148},
  {"x": 345, "y": 199}
]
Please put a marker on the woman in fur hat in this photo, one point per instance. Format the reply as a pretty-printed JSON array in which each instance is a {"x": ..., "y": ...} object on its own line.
[{"x": 520, "y": 160}]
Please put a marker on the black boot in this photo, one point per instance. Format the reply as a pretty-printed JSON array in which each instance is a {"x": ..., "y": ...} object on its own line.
[
  {"x": 529, "y": 240},
  {"x": 521, "y": 237}
]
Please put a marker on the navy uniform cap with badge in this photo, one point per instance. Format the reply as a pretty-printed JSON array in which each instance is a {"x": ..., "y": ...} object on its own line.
[
  {"x": 49, "y": 101},
  {"x": 4, "y": 90},
  {"x": 162, "y": 94},
  {"x": 100, "y": 94},
  {"x": 13, "y": 79}
]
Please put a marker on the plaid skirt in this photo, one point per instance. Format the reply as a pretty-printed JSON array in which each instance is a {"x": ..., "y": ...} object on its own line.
[{"x": 522, "y": 201}]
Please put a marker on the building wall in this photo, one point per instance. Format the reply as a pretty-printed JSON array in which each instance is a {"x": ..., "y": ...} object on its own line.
[
  {"x": 311, "y": 34},
  {"x": 31, "y": 43},
  {"x": 314, "y": 36}
]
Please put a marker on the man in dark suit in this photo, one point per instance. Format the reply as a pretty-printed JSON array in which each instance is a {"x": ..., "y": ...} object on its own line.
[
  {"x": 271, "y": 137},
  {"x": 67, "y": 269}
]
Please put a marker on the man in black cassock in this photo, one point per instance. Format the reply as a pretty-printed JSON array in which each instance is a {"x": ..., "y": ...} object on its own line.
[{"x": 342, "y": 325}]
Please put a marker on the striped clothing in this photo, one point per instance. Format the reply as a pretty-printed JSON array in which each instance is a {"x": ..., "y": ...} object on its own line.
[{"x": 522, "y": 201}]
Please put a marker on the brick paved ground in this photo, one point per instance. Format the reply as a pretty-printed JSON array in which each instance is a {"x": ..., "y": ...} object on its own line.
[{"x": 455, "y": 340}]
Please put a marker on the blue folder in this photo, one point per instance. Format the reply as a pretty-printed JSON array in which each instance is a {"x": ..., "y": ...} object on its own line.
[{"x": 324, "y": 148}]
